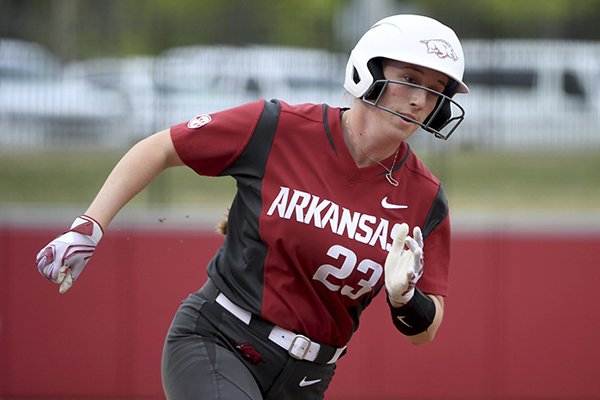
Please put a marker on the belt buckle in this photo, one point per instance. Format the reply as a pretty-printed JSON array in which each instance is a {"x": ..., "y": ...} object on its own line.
[{"x": 303, "y": 347}]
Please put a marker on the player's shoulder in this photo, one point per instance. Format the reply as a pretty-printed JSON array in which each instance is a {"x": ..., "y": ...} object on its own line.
[
  {"x": 308, "y": 111},
  {"x": 417, "y": 167}
]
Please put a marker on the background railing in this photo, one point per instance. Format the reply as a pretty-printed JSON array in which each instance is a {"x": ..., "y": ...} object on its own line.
[{"x": 525, "y": 95}]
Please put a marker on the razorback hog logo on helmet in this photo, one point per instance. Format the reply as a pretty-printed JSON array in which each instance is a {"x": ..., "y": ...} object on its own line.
[{"x": 440, "y": 48}]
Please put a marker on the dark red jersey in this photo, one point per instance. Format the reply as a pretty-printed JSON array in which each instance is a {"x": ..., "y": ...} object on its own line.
[{"x": 308, "y": 230}]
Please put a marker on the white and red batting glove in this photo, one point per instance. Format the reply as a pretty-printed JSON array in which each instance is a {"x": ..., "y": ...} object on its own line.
[
  {"x": 404, "y": 266},
  {"x": 64, "y": 258}
]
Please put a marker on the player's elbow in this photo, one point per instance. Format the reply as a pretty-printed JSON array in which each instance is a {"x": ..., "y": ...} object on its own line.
[
  {"x": 428, "y": 335},
  {"x": 421, "y": 338}
]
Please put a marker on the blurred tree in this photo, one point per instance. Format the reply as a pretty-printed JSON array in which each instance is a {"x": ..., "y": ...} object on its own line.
[
  {"x": 568, "y": 19},
  {"x": 184, "y": 22},
  {"x": 80, "y": 28},
  {"x": 24, "y": 19}
]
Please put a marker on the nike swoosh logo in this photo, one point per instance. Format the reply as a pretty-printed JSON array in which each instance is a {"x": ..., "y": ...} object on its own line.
[
  {"x": 390, "y": 206},
  {"x": 401, "y": 319},
  {"x": 304, "y": 382}
]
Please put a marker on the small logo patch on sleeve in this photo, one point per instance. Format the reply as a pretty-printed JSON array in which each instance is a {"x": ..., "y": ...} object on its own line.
[{"x": 199, "y": 121}]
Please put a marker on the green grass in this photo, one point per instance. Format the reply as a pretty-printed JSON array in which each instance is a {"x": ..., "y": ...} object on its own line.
[
  {"x": 76, "y": 178},
  {"x": 473, "y": 181},
  {"x": 493, "y": 181}
]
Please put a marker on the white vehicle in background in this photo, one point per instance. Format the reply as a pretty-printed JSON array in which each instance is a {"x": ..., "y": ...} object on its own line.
[
  {"x": 297, "y": 75},
  {"x": 195, "y": 80},
  {"x": 132, "y": 77},
  {"x": 41, "y": 106},
  {"x": 204, "y": 79},
  {"x": 530, "y": 95}
]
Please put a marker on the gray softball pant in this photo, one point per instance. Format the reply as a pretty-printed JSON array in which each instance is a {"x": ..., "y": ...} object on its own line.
[{"x": 211, "y": 354}]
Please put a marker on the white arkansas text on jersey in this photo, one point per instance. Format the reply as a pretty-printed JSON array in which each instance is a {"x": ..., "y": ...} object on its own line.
[{"x": 309, "y": 209}]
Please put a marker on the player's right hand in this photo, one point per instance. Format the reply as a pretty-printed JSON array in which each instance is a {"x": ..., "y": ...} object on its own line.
[{"x": 63, "y": 259}]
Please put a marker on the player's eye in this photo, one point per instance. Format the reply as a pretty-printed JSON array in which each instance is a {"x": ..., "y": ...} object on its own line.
[{"x": 409, "y": 79}]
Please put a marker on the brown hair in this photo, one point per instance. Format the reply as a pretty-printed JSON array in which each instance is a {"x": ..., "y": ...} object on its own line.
[{"x": 222, "y": 225}]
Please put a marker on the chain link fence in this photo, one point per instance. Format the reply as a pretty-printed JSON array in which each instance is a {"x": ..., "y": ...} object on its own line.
[{"x": 525, "y": 95}]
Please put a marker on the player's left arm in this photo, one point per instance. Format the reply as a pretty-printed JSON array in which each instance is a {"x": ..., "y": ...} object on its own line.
[
  {"x": 429, "y": 334},
  {"x": 415, "y": 314}
]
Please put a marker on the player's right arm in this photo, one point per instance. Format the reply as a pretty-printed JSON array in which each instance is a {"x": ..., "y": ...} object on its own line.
[
  {"x": 138, "y": 167},
  {"x": 64, "y": 258}
]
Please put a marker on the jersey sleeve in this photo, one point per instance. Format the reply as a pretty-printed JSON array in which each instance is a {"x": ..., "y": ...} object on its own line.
[
  {"x": 436, "y": 233},
  {"x": 209, "y": 144}
]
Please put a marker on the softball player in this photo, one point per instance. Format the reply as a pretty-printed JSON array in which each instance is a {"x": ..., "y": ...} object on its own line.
[{"x": 319, "y": 224}]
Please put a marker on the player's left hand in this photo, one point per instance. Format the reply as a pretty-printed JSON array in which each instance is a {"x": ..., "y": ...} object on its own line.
[
  {"x": 404, "y": 266},
  {"x": 63, "y": 259}
]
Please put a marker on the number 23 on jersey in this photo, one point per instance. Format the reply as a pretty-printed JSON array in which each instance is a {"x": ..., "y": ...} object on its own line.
[{"x": 370, "y": 269}]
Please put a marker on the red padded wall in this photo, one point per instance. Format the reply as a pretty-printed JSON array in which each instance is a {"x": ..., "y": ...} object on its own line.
[{"x": 521, "y": 321}]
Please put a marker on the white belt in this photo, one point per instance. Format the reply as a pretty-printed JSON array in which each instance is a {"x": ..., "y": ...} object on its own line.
[{"x": 298, "y": 346}]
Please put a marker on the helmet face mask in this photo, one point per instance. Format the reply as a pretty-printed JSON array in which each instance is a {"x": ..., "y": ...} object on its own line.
[
  {"x": 416, "y": 40},
  {"x": 446, "y": 116}
]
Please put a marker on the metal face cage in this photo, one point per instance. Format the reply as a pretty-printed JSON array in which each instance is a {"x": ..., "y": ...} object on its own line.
[{"x": 443, "y": 120}]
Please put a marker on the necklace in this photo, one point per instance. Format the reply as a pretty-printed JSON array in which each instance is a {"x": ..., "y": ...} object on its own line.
[{"x": 388, "y": 174}]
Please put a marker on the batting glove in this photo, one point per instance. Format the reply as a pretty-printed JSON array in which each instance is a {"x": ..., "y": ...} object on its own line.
[
  {"x": 63, "y": 259},
  {"x": 404, "y": 266}
]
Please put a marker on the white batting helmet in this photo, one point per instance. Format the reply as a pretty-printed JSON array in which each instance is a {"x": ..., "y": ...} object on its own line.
[{"x": 413, "y": 39}]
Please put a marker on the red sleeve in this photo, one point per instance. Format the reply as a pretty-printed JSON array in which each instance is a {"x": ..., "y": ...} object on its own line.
[
  {"x": 209, "y": 144},
  {"x": 436, "y": 250}
]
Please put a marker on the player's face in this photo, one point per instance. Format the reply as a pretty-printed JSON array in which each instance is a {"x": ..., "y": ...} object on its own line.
[{"x": 414, "y": 102}]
